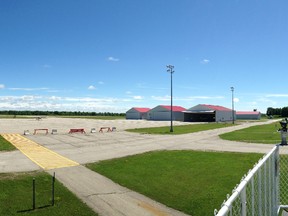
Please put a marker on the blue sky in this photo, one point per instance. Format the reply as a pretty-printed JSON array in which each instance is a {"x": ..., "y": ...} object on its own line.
[{"x": 111, "y": 55}]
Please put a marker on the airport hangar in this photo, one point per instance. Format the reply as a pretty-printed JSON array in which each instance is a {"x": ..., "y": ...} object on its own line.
[{"x": 198, "y": 113}]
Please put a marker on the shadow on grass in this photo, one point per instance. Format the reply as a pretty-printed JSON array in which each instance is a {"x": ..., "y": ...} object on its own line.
[{"x": 30, "y": 210}]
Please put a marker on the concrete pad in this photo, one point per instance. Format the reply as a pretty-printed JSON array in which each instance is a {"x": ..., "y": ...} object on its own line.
[
  {"x": 16, "y": 162},
  {"x": 40, "y": 155},
  {"x": 92, "y": 147},
  {"x": 108, "y": 198}
]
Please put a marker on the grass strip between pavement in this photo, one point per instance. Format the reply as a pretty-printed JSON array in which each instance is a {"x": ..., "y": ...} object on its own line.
[
  {"x": 190, "y": 181},
  {"x": 5, "y": 145},
  {"x": 181, "y": 129},
  {"x": 266, "y": 134},
  {"x": 16, "y": 196}
]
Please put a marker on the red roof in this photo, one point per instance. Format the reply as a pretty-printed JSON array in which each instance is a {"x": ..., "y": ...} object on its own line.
[
  {"x": 216, "y": 107},
  {"x": 141, "y": 109},
  {"x": 247, "y": 113},
  {"x": 174, "y": 108}
]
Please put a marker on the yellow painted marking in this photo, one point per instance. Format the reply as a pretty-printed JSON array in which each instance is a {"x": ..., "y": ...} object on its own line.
[
  {"x": 40, "y": 155},
  {"x": 152, "y": 209}
]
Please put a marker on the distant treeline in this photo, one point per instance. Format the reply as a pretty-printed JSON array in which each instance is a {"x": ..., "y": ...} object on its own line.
[
  {"x": 282, "y": 112},
  {"x": 59, "y": 113}
]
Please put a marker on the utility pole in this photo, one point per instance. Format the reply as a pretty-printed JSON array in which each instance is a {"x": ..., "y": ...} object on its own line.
[
  {"x": 232, "y": 90},
  {"x": 170, "y": 70}
]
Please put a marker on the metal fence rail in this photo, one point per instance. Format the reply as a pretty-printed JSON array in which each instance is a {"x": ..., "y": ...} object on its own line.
[{"x": 259, "y": 191}]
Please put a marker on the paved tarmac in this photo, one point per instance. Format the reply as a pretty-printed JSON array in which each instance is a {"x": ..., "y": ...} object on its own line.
[{"x": 100, "y": 193}]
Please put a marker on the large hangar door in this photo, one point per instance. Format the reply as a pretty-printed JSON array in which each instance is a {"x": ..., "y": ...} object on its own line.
[
  {"x": 199, "y": 117},
  {"x": 162, "y": 115},
  {"x": 132, "y": 115}
]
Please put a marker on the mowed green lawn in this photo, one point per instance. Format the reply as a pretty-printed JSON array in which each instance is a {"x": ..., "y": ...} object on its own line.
[
  {"x": 191, "y": 181},
  {"x": 266, "y": 134},
  {"x": 16, "y": 197},
  {"x": 181, "y": 129},
  {"x": 5, "y": 145}
]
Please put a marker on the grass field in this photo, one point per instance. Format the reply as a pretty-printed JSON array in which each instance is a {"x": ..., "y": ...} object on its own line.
[
  {"x": 16, "y": 197},
  {"x": 5, "y": 145},
  {"x": 95, "y": 117},
  {"x": 83, "y": 117},
  {"x": 18, "y": 117},
  {"x": 190, "y": 181},
  {"x": 266, "y": 134},
  {"x": 181, "y": 129}
]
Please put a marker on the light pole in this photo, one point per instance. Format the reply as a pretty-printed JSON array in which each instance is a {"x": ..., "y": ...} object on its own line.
[
  {"x": 232, "y": 90},
  {"x": 170, "y": 70}
]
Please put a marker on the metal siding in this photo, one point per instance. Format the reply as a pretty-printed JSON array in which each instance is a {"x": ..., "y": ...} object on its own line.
[
  {"x": 178, "y": 116},
  {"x": 153, "y": 114},
  {"x": 255, "y": 117},
  {"x": 132, "y": 115},
  {"x": 199, "y": 107},
  {"x": 224, "y": 116},
  {"x": 161, "y": 115}
]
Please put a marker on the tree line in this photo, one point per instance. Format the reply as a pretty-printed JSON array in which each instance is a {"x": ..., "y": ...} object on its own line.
[
  {"x": 58, "y": 113},
  {"x": 281, "y": 112}
]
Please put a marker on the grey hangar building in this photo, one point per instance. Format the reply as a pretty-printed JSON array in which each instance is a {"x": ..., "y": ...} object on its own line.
[{"x": 198, "y": 113}]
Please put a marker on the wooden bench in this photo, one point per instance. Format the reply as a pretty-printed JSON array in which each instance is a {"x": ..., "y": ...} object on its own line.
[
  {"x": 103, "y": 128},
  {"x": 41, "y": 129},
  {"x": 78, "y": 130}
]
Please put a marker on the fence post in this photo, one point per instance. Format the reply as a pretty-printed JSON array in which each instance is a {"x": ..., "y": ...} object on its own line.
[
  {"x": 53, "y": 189},
  {"x": 259, "y": 191},
  {"x": 243, "y": 202},
  {"x": 252, "y": 197},
  {"x": 277, "y": 180},
  {"x": 34, "y": 195},
  {"x": 265, "y": 188}
]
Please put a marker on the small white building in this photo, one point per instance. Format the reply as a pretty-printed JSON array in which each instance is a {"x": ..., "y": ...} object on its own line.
[
  {"x": 163, "y": 113},
  {"x": 248, "y": 115},
  {"x": 137, "y": 113},
  {"x": 209, "y": 113}
]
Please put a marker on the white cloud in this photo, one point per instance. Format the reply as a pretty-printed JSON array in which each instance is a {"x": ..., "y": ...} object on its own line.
[
  {"x": 54, "y": 98},
  {"x": 236, "y": 100},
  {"x": 2, "y": 86},
  {"x": 91, "y": 87},
  {"x": 193, "y": 98},
  {"x": 101, "y": 83},
  {"x": 277, "y": 95},
  {"x": 161, "y": 98},
  {"x": 205, "y": 61},
  {"x": 138, "y": 97},
  {"x": 113, "y": 59},
  {"x": 204, "y": 97},
  {"x": 28, "y": 89},
  {"x": 54, "y": 103}
]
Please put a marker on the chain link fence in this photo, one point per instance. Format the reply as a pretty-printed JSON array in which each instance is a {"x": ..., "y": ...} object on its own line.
[{"x": 263, "y": 191}]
